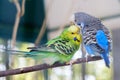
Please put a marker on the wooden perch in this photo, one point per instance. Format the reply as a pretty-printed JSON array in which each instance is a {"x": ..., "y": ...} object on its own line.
[{"x": 45, "y": 66}]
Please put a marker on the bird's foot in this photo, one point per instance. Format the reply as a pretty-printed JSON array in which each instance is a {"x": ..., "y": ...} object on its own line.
[
  {"x": 87, "y": 57},
  {"x": 71, "y": 62}
]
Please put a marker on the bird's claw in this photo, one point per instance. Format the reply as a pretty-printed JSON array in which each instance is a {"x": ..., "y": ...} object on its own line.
[
  {"x": 71, "y": 62},
  {"x": 87, "y": 58}
]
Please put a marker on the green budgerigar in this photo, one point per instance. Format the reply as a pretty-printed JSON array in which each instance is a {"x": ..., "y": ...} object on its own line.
[{"x": 60, "y": 49}]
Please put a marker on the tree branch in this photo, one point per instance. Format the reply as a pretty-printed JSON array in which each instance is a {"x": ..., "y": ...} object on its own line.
[
  {"x": 45, "y": 66},
  {"x": 20, "y": 13},
  {"x": 43, "y": 28},
  {"x": 17, "y": 20},
  {"x": 42, "y": 31}
]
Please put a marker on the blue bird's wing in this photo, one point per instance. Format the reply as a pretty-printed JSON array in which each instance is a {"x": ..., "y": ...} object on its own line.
[{"x": 102, "y": 40}]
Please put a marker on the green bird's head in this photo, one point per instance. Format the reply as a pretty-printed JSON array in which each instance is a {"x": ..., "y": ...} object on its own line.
[{"x": 72, "y": 34}]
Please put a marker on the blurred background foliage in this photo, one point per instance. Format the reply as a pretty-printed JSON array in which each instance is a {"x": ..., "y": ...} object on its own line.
[{"x": 56, "y": 14}]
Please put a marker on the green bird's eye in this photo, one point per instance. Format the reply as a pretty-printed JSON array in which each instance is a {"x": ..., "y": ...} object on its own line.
[{"x": 72, "y": 33}]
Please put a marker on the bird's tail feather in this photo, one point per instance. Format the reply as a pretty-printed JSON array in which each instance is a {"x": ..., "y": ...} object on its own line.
[
  {"x": 106, "y": 59},
  {"x": 20, "y": 53},
  {"x": 33, "y": 54}
]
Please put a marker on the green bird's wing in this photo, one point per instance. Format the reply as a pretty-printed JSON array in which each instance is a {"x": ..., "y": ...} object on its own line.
[
  {"x": 56, "y": 46},
  {"x": 55, "y": 50}
]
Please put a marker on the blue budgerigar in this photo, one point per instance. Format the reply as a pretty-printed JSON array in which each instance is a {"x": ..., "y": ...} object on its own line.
[{"x": 96, "y": 37}]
